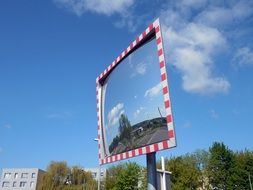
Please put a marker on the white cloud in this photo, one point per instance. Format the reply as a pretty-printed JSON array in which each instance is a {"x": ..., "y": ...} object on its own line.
[
  {"x": 214, "y": 114},
  {"x": 154, "y": 91},
  {"x": 243, "y": 56},
  {"x": 138, "y": 111},
  {"x": 221, "y": 16},
  {"x": 98, "y": 6},
  {"x": 7, "y": 126},
  {"x": 138, "y": 69},
  {"x": 114, "y": 114},
  {"x": 187, "y": 125},
  {"x": 59, "y": 115},
  {"x": 193, "y": 3},
  {"x": 141, "y": 68},
  {"x": 191, "y": 47}
]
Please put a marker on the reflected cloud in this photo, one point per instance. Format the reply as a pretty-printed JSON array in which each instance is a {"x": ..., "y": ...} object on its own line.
[
  {"x": 114, "y": 114},
  {"x": 154, "y": 91}
]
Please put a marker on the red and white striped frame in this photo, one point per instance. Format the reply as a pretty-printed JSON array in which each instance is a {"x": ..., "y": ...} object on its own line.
[{"x": 153, "y": 28}]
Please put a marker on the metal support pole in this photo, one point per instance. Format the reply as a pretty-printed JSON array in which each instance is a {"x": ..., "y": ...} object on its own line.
[
  {"x": 151, "y": 171},
  {"x": 99, "y": 176},
  {"x": 164, "y": 174},
  {"x": 250, "y": 182}
]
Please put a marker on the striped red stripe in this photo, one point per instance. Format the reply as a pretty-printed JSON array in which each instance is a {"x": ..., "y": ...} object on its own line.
[
  {"x": 171, "y": 133},
  {"x": 167, "y": 104},
  {"x": 157, "y": 29},
  {"x": 165, "y": 90},
  {"x": 160, "y": 52},
  {"x": 169, "y": 119},
  {"x": 147, "y": 149},
  {"x": 163, "y": 76},
  {"x": 156, "y": 148},
  {"x": 137, "y": 40},
  {"x": 165, "y": 144},
  {"x": 151, "y": 26},
  {"x": 133, "y": 153},
  {"x": 144, "y": 34},
  {"x": 158, "y": 41},
  {"x": 162, "y": 64},
  {"x": 140, "y": 151},
  {"x": 131, "y": 46}
]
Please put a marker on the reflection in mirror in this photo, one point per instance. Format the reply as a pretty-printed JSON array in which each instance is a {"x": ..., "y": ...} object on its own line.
[{"x": 133, "y": 107}]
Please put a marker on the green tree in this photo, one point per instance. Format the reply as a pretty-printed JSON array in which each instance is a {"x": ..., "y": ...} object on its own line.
[
  {"x": 129, "y": 177},
  {"x": 199, "y": 159},
  {"x": 111, "y": 176},
  {"x": 243, "y": 169},
  {"x": 55, "y": 176},
  {"x": 220, "y": 166},
  {"x": 60, "y": 177},
  {"x": 185, "y": 174}
]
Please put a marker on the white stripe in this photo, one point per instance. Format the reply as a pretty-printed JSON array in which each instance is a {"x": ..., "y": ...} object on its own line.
[
  {"x": 136, "y": 152},
  {"x": 159, "y": 46},
  {"x": 97, "y": 79},
  {"x": 151, "y": 147},
  {"x": 118, "y": 59},
  {"x": 160, "y": 146},
  {"x": 156, "y": 23},
  {"x": 113, "y": 158},
  {"x": 147, "y": 30},
  {"x": 172, "y": 142},
  {"x": 161, "y": 58},
  {"x": 166, "y": 97},
  {"x": 163, "y": 70},
  {"x": 134, "y": 43},
  {"x": 130, "y": 154},
  {"x": 124, "y": 155},
  {"x": 170, "y": 126},
  {"x": 168, "y": 111},
  {"x": 113, "y": 63},
  {"x": 164, "y": 83},
  {"x": 101, "y": 75},
  {"x": 123, "y": 54},
  {"x": 105, "y": 72},
  {"x": 158, "y": 35},
  {"x": 128, "y": 49},
  {"x": 144, "y": 150},
  {"x": 140, "y": 37}
]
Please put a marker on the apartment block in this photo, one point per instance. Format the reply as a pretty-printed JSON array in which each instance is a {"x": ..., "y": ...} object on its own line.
[
  {"x": 20, "y": 178},
  {"x": 97, "y": 173}
]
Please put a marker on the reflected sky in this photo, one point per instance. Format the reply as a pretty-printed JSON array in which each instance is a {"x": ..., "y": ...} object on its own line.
[{"x": 134, "y": 89}]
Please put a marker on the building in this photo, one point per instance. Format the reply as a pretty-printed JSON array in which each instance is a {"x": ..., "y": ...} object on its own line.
[
  {"x": 20, "y": 178},
  {"x": 95, "y": 173}
]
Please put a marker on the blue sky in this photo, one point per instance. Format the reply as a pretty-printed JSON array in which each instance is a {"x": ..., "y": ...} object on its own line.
[{"x": 52, "y": 51}]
